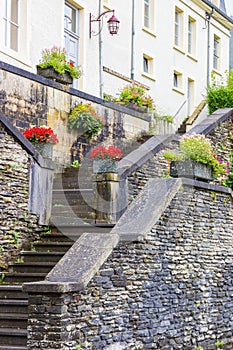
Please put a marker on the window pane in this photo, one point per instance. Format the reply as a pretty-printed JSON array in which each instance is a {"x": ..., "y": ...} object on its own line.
[
  {"x": 14, "y": 11},
  {"x": 14, "y": 37},
  {"x": 146, "y": 13}
]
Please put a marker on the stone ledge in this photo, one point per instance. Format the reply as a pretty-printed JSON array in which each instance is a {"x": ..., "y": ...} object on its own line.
[
  {"x": 48, "y": 82},
  {"x": 142, "y": 154},
  {"x": 213, "y": 120}
]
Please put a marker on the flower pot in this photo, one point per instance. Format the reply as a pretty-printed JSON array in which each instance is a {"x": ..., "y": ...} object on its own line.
[
  {"x": 45, "y": 149},
  {"x": 50, "y": 73},
  {"x": 105, "y": 166},
  {"x": 191, "y": 169}
]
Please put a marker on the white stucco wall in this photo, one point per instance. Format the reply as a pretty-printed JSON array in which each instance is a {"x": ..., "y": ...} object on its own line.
[{"x": 43, "y": 26}]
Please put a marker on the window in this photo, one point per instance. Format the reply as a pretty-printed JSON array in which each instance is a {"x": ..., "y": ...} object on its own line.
[
  {"x": 216, "y": 56},
  {"x": 147, "y": 64},
  {"x": 191, "y": 35},
  {"x": 71, "y": 34},
  {"x": 147, "y": 13},
  {"x": 11, "y": 24},
  {"x": 178, "y": 27},
  {"x": 190, "y": 96},
  {"x": 177, "y": 80}
]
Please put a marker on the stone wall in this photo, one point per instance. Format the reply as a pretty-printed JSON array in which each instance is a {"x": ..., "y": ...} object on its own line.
[
  {"x": 170, "y": 289},
  {"x": 222, "y": 140},
  {"x": 18, "y": 227},
  {"x": 27, "y": 99}
]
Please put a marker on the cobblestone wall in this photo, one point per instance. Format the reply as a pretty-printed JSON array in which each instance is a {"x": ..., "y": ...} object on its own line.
[
  {"x": 17, "y": 226},
  {"x": 171, "y": 290}
]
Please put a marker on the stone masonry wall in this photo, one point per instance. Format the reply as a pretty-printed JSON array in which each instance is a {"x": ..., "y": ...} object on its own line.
[
  {"x": 17, "y": 225},
  {"x": 28, "y": 99},
  {"x": 157, "y": 166},
  {"x": 171, "y": 290}
]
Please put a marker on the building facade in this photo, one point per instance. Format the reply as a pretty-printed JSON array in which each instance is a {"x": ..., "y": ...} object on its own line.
[{"x": 169, "y": 46}]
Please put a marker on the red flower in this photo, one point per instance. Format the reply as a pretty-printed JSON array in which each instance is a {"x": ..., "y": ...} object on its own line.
[
  {"x": 103, "y": 152},
  {"x": 40, "y": 135}
]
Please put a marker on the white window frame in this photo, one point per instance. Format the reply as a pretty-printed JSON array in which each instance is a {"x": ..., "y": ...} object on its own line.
[
  {"x": 216, "y": 52},
  {"x": 10, "y": 24},
  {"x": 147, "y": 13},
  {"x": 178, "y": 27},
  {"x": 191, "y": 36}
]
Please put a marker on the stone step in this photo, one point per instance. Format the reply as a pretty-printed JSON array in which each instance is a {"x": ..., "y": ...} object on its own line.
[
  {"x": 16, "y": 337},
  {"x": 72, "y": 221},
  {"x": 13, "y": 347},
  {"x": 16, "y": 306},
  {"x": 21, "y": 277},
  {"x": 12, "y": 292},
  {"x": 13, "y": 320},
  {"x": 37, "y": 267},
  {"x": 55, "y": 236},
  {"x": 41, "y": 256},
  {"x": 52, "y": 246},
  {"x": 66, "y": 210},
  {"x": 74, "y": 232}
]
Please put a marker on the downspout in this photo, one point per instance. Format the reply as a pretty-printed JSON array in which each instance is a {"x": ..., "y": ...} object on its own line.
[
  {"x": 132, "y": 41},
  {"x": 101, "y": 83},
  {"x": 207, "y": 18}
]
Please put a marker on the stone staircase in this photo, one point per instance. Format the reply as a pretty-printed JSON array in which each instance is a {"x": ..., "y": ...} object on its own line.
[{"x": 71, "y": 216}]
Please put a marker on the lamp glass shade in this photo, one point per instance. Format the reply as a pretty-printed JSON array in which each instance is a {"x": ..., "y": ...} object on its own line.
[{"x": 113, "y": 25}]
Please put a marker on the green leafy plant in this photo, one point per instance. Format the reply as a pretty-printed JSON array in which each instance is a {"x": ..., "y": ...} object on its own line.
[
  {"x": 198, "y": 348},
  {"x": 56, "y": 58},
  {"x": 135, "y": 95},
  {"x": 219, "y": 344},
  {"x": 85, "y": 118},
  {"x": 198, "y": 148},
  {"x": 75, "y": 164},
  {"x": 220, "y": 92}
]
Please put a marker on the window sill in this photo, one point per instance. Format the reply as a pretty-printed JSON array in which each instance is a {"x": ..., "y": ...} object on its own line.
[
  {"x": 149, "y": 31},
  {"x": 179, "y": 49},
  {"x": 192, "y": 57},
  {"x": 216, "y": 71},
  {"x": 178, "y": 90},
  {"x": 148, "y": 76}
]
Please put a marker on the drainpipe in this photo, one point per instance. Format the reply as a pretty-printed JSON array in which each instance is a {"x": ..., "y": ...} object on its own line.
[
  {"x": 101, "y": 83},
  {"x": 132, "y": 41},
  {"x": 208, "y": 17}
]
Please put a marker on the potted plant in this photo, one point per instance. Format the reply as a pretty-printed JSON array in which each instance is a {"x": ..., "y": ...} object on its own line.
[
  {"x": 196, "y": 159},
  {"x": 43, "y": 138},
  {"x": 84, "y": 118},
  {"x": 54, "y": 65},
  {"x": 105, "y": 159},
  {"x": 134, "y": 96}
]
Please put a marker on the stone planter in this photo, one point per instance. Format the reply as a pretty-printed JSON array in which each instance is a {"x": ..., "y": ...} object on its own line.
[
  {"x": 105, "y": 166},
  {"x": 191, "y": 169},
  {"x": 50, "y": 73},
  {"x": 45, "y": 149}
]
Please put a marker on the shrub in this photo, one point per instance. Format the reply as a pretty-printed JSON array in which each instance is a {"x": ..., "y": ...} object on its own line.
[{"x": 220, "y": 93}]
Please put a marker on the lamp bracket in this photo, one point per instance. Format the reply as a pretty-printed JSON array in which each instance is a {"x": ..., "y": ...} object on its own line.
[{"x": 98, "y": 19}]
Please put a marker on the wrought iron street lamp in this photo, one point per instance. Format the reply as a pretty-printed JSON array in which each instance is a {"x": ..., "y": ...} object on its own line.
[{"x": 113, "y": 23}]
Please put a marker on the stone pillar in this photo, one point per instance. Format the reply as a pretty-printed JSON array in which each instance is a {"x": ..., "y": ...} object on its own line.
[{"x": 107, "y": 186}]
